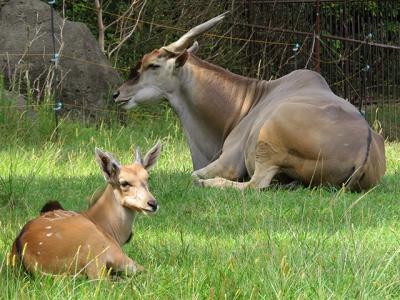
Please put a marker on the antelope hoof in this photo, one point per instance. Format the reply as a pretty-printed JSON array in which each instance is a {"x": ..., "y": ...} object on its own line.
[
  {"x": 196, "y": 179},
  {"x": 140, "y": 268},
  {"x": 134, "y": 268},
  {"x": 291, "y": 185},
  {"x": 212, "y": 182}
]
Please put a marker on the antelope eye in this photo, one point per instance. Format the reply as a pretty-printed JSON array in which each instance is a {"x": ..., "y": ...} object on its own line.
[
  {"x": 124, "y": 184},
  {"x": 153, "y": 66}
]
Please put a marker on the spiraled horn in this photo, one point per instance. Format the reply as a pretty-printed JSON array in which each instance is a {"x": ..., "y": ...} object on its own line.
[{"x": 188, "y": 38}]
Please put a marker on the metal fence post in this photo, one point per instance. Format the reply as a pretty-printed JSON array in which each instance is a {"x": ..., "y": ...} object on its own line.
[
  {"x": 317, "y": 33},
  {"x": 364, "y": 79},
  {"x": 57, "y": 103}
]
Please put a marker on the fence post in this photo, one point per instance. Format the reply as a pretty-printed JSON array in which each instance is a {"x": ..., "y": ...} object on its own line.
[
  {"x": 295, "y": 50},
  {"x": 317, "y": 33},
  {"x": 57, "y": 103},
  {"x": 345, "y": 64},
  {"x": 364, "y": 79}
]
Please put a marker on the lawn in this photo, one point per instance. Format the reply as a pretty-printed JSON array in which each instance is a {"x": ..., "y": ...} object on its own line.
[
  {"x": 385, "y": 118},
  {"x": 203, "y": 243}
]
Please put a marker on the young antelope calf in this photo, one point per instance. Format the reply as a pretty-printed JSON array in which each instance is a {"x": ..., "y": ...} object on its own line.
[{"x": 67, "y": 242}]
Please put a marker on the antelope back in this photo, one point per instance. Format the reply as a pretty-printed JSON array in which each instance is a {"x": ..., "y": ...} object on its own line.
[{"x": 62, "y": 242}]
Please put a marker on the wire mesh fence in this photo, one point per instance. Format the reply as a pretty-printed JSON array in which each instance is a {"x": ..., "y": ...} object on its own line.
[{"x": 354, "y": 44}]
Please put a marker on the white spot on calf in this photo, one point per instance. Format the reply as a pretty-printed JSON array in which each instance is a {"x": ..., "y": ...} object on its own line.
[
  {"x": 48, "y": 227},
  {"x": 49, "y": 234},
  {"x": 38, "y": 253},
  {"x": 40, "y": 243}
]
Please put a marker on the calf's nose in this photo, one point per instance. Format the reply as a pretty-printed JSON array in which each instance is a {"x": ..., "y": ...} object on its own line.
[
  {"x": 115, "y": 95},
  {"x": 152, "y": 203}
]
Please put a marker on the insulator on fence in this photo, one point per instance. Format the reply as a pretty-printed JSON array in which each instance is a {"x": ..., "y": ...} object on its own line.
[
  {"x": 51, "y": 2},
  {"x": 369, "y": 36},
  {"x": 55, "y": 58},
  {"x": 366, "y": 68},
  {"x": 58, "y": 106},
  {"x": 296, "y": 47}
]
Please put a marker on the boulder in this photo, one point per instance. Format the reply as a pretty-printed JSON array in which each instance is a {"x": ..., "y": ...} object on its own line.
[{"x": 86, "y": 77}]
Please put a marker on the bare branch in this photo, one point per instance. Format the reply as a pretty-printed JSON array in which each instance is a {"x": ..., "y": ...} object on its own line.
[
  {"x": 124, "y": 16},
  {"x": 129, "y": 34},
  {"x": 311, "y": 52},
  {"x": 100, "y": 24},
  {"x": 122, "y": 23}
]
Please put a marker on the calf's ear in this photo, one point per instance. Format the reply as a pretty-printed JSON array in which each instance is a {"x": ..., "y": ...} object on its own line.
[
  {"x": 138, "y": 156},
  {"x": 109, "y": 165},
  {"x": 151, "y": 157}
]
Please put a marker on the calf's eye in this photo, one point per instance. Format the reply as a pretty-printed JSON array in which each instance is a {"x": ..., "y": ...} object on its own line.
[{"x": 124, "y": 184}]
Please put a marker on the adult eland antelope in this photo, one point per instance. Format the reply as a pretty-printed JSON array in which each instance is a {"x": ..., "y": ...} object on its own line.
[
  {"x": 67, "y": 242},
  {"x": 243, "y": 132}
]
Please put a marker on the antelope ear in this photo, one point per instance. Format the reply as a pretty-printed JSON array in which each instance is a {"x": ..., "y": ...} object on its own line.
[
  {"x": 109, "y": 165},
  {"x": 138, "y": 156},
  {"x": 181, "y": 59},
  {"x": 151, "y": 157},
  {"x": 193, "y": 49}
]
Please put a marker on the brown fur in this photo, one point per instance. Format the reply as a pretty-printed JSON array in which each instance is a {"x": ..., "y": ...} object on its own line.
[{"x": 89, "y": 242}]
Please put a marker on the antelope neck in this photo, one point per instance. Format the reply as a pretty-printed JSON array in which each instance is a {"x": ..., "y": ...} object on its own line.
[
  {"x": 210, "y": 102},
  {"x": 111, "y": 217}
]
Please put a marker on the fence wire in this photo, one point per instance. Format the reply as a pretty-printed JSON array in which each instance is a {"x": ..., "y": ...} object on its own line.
[{"x": 359, "y": 59}]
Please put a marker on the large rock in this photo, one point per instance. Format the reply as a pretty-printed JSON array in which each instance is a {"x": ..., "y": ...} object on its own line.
[{"x": 87, "y": 75}]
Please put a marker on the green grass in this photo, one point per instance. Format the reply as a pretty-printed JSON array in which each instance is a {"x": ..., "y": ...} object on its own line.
[
  {"x": 385, "y": 118},
  {"x": 203, "y": 243}
]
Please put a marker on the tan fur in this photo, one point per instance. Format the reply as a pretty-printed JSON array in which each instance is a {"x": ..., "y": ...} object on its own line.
[
  {"x": 237, "y": 128},
  {"x": 89, "y": 242}
]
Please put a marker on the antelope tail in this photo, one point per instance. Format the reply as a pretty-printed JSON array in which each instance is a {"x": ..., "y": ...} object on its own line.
[{"x": 358, "y": 173}]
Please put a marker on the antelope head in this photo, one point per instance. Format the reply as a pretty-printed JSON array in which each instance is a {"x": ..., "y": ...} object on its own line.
[
  {"x": 156, "y": 76},
  {"x": 130, "y": 182}
]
